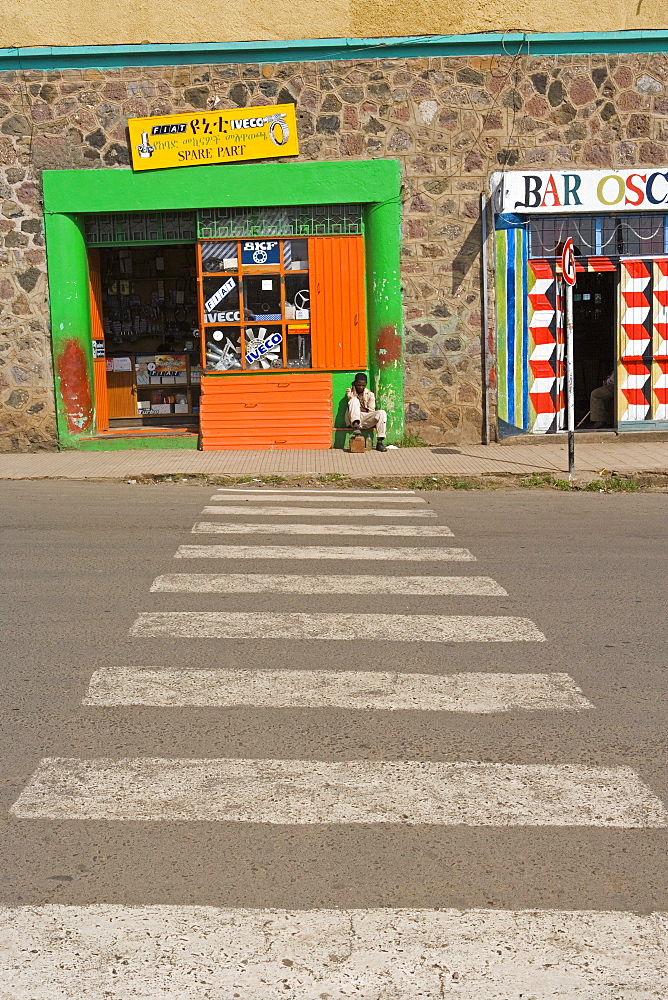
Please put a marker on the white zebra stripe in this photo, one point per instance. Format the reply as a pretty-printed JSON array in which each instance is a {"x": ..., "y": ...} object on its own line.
[
  {"x": 350, "y": 689},
  {"x": 300, "y": 492},
  {"x": 348, "y": 627},
  {"x": 322, "y": 552},
  {"x": 55, "y": 951},
  {"x": 259, "y": 583},
  {"x": 319, "y": 512},
  {"x": 258, "y": 496},
  {"x": 350, "y": 530},
  {"x": 312, "y": 791}
]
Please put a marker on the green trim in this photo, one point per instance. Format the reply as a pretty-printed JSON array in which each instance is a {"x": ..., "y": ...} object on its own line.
[
  {"x": 136, "y": 443},
  {"x": 384, "y": 310},
  {"x": 72, "y": 345},
  {"x": 340, "y": 382},
  {"x": 325, "y": 49},
  {"x": 70, "y": 193},
  {"x": 220, "y": 186}
]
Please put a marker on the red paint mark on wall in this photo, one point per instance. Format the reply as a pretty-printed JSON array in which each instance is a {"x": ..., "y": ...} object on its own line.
[
  {"x": 388, "y": 346},
  {"x": 73, "y": 376}
]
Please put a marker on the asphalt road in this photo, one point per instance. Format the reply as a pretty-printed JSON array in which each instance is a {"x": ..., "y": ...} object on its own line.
[{"x": 589, "y": 570}]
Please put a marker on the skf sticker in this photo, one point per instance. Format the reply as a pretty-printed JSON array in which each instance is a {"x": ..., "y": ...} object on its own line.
[{"x": 260, "y": 252}]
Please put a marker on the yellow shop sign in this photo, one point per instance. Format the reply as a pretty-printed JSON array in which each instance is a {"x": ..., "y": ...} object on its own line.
[{"x": 227, "y": 136}]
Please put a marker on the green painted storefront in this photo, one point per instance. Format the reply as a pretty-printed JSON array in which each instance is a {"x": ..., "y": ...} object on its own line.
[{"x": 70, "y": 195}]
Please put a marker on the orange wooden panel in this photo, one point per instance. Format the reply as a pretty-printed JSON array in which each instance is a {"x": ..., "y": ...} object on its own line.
[
  {"x": 338, "y": 302},
  {"x": 121, "y": 394},
  {"x": 95, "y": 279},
  {"x": 240, "y": 412},
  {"x": 97, "y": 333},
  {"x": 101, "y": 401}
]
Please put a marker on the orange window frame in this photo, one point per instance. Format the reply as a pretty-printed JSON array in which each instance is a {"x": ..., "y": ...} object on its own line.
[
  {"x": 337, "y": 322},
  {"x": 240, "y": 274}
]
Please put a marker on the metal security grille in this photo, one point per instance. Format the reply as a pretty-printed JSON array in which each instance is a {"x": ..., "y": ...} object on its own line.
[
  {"x": 293, "y": 220},
  {"x": 641, "y": 235},
  {"x": 122, "y": 228}
]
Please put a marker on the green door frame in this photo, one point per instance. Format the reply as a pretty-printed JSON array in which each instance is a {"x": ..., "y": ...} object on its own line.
[{"x": 70, "y": 194}]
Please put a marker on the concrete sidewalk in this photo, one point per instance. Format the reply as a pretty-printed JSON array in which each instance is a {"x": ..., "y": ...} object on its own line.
[{"x": 474, "y": 460}]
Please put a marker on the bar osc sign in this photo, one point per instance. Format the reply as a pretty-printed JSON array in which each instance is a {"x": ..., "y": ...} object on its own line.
[
  {"x": 228, "y": 136},
  {"x": 548, "y": 191}
]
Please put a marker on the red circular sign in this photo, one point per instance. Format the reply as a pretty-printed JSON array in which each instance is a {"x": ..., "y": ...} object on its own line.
[{"x": 568, "y": 262}]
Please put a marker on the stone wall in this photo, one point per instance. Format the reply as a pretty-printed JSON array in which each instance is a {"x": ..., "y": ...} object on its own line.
[{"x": 450, "y": 122}]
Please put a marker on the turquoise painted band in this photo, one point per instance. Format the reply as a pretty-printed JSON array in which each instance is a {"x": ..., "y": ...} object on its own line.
[{"x": 323, "y": 49}]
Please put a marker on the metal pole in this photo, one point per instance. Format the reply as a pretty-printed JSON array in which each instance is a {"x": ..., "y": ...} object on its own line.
[
  {"x": 486, "y": 435},
  {"x": 570, "y": 382}
]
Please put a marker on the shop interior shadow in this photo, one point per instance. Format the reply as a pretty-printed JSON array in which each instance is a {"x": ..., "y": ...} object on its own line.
[{"x": 594, "y": 307}]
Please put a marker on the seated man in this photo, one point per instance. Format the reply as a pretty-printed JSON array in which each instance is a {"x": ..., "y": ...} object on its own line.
[
  {"x": 362, "y": 412},
  {"x": 599, "y": 399}
]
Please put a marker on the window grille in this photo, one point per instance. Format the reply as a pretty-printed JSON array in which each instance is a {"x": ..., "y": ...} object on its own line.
[
  {"x": 628, "y": 235},
  {"x": 112, "y": 228},
  {"x": 293, "y": 220},
  {"x": 548, "y": 234}
]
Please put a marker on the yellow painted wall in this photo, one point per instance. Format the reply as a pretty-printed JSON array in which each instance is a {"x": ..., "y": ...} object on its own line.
[{"x": 117, "y": 22}]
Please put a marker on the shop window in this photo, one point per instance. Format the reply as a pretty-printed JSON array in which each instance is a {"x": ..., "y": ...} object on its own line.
[
  {"x": 257, "y": 309},
  {"x": 297, "y": 297},
  {"x": 548, "y": 234},
  {"x": 264, "y": 347},
  {"x": 223, "y": 348},
  {"x": 146, "y": 335},
  {"x": 262, "y": 297},
  {"x": 221, "y": 299},
  {"x": 625, "y": 235},
  {"x": 641, "y": 235},
  {"x": 219, "y": 257}
]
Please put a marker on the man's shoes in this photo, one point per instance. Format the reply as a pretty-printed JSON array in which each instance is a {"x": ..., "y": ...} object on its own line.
[
  {"x": 380, "y": 445},
  {"x": 356, "y": 429}
]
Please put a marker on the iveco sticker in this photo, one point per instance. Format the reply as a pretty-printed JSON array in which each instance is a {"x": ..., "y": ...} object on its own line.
[
  {"x": 222, "y": 317},
  {"x": 260, "y": 347}
]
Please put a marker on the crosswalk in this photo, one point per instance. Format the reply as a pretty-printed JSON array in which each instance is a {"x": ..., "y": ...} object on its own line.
[
  {"x": 477, "y": 693},
  {"x": 375, "y": 953},
  {"x": 291, "y": 583}
]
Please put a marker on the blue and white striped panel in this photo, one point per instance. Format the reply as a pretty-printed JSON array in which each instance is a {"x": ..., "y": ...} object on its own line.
[
  {"x": 287, "y": 255},
  {"x": 219, "y": 256},
  {"x": 511, "y": 332}
]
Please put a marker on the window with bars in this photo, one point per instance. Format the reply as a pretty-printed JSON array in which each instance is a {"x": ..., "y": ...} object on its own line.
[
  {"x": 255, "y": 304},
  {"x": 293, "y": 220},
  {"x": 628, "y": 235},
  {"x": 123, "y": 228}
]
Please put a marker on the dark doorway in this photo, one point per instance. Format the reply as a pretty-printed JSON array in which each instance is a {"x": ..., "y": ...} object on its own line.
[
  {"x": 594, "y": 309},
  {"x": 151, "y": 336}
]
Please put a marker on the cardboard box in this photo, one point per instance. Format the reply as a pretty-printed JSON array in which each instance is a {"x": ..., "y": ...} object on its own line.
[{"x": 180, "y": 407}]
